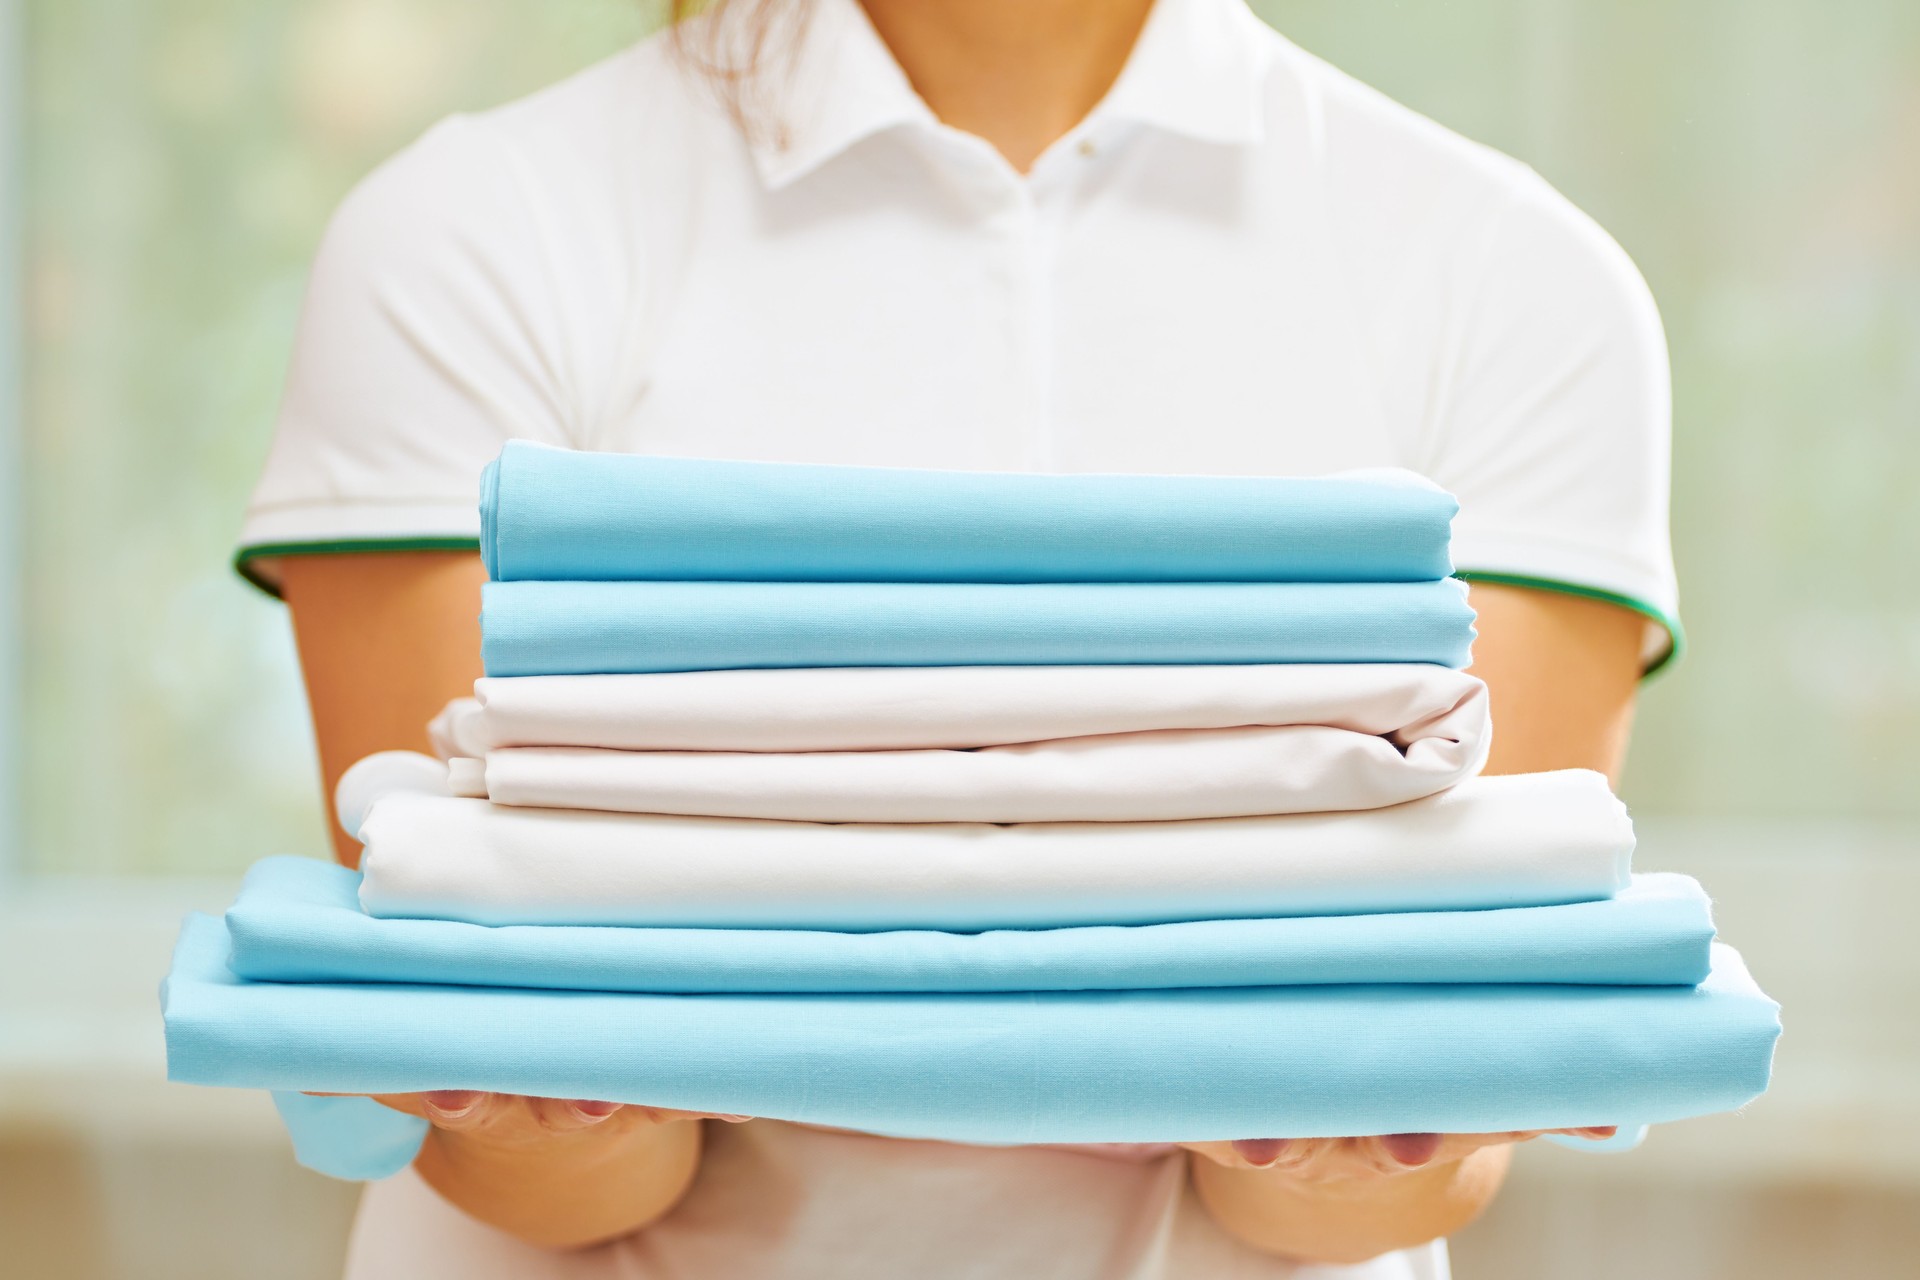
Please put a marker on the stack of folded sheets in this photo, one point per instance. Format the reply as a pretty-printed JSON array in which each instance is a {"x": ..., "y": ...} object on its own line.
[{"x": 993, "y": 808}]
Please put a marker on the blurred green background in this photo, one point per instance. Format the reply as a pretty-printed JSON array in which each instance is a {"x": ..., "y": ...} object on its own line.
[{"x": 1760, "y": 159}]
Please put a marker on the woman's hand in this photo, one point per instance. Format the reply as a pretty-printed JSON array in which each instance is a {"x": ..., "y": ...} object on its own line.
[
  {"x": 1385, "y": 1156},
  {"x": 511, "y": 1120},
  {"x": 1345, "y": 1200},
  {"x": 557, "y": 1172},
  {"x": 386, "y": 638},
  {"x": 1562, "y": 672}
]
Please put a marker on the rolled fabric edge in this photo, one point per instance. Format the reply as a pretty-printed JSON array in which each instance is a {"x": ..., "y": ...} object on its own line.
[{"x": 371, "y": 778}]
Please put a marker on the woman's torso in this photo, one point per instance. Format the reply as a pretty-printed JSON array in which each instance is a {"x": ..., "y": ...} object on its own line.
[{"x": 1241, "y": 262}]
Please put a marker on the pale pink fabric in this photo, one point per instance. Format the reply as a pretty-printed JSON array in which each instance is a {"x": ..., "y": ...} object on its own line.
[
  {"x": 905, "y": 708},
  {"x": 955, "y": 744},
  {"x": 1123, "y": 777}
]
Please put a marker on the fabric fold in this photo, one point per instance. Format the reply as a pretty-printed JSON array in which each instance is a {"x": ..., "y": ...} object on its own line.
[
  {"x": 1164, "y": 775},
  {"x": 1521, "y": 840},
  {"x": 299, "y": 920},
  {"x": 607, "y": 628},
  {"x": 1258, "y": 740},
  {"x": 548, "y": 513},
  {"x": 909, "y": 708},
  {"x": 1137, "y": 1066}
]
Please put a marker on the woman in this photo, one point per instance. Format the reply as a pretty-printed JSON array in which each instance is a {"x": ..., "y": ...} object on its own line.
[{"x": 1073, "y": 235}]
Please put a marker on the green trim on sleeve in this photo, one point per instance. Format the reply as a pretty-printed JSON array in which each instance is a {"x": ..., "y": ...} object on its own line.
[
  {"x": 243, "y": 558},
  {"x": 1676, "y": 636}
]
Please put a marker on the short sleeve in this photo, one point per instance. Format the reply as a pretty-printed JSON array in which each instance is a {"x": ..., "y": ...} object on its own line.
[
  {"x": 1553, "y": 415},
  {"x": 425, "y": 341}
]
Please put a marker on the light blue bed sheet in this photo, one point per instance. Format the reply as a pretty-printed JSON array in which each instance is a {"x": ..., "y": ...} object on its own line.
[
  {"x": 1137, "y": 1066},
  {"x": 589, "y": 628},
  {"x": 555, "y": 514},
  {"x": 299, "y": 920},
  {"x": 357, "y": 1139}
]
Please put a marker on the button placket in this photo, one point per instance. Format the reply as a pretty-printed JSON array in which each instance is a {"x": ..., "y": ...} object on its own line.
[{"x": 1050, "y": 190}]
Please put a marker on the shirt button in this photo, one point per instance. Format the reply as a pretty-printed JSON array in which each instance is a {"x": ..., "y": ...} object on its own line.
[{"x": 1087, "y": 149}]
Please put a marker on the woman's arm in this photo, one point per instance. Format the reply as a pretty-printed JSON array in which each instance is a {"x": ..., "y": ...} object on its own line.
[
  {"x": 1562, "y": 671},
  {"x": 386, "y": 640}
]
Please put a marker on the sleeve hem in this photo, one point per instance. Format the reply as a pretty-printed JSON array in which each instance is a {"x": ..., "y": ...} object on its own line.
[
  {"x": 330, "y": 527},
  {"x": 1654, "y": 660},
  {"x": 250, "y": 561}
]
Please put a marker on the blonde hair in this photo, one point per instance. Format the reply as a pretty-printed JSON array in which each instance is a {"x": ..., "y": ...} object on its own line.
[{"x": 737, "y": 49}]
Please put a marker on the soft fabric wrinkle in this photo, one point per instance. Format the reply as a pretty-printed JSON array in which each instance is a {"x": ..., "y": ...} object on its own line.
[
  {"x": 1137, "y": 1066},
  {"x": 1520, "y": 840},
  {"x": 556, "y": 514},
  {"x": 906, "y": 708},
  {"x": 612, "y": 628},
  {"x": 298, "y": 920}
]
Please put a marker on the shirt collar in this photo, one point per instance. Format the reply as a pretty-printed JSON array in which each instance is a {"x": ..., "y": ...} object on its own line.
[
  {"x": 1197, "y": 71},
  {"x": 837, "y": 86}
]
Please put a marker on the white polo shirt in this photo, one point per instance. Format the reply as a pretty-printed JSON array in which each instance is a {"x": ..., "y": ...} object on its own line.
[{"x": 1242, "y": 261}]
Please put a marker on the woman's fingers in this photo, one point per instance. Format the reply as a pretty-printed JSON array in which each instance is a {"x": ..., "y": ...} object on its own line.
[
  {"x": 1381, "y": 1155},
  {"x": 512, "y": 1118},
  {"x": 462, "y": 1110},
  {"x": 1261, "y": 1153},
  {"x": 1290, "y": 1155},
  {"x": 1410, "y": 1150}
]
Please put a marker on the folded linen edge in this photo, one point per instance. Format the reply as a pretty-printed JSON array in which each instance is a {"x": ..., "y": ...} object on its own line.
[{"x": 354, "y": 1138}]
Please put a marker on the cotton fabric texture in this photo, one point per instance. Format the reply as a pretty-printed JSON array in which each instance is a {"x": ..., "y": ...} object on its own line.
[
  {"x": 383, "y": 773},
  {"x": 908, "y": 708},
  {"x": 989, "y": 744},
  {"x": 595, "y": 628},
  {"x": 1522, "y": 840},
  {"x": 1136, "y": 777},
  {"x": 548, "y": 513},
  {"x": 352, "y": 1138},
  {"x": 1133, "y": 1066},
  {"x": 298, "y": 920}
]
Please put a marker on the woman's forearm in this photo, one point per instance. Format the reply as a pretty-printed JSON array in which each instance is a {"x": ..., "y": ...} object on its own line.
[
  {"x": 385, "y": 640},
  {"x": 565, "y": 1191},
  {"x": 1562, "y": 672},
  {"x": 1348, "y": 1221}
]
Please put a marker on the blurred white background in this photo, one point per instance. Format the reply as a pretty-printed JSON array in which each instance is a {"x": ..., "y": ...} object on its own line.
[{"x": 166, "y": 167}]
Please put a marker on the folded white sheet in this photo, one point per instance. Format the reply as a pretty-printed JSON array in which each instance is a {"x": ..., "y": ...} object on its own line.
[
  {"x": 1118, "y": 777},
  {"x": 903, "y": 708},
  {"x": 1522, "y": 840},
  {"x": 973, "y": 744}
]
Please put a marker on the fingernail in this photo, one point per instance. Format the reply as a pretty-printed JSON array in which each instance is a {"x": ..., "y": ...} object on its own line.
[
  {"x": 735, "y": 1119},
  {"x": 1411, "y": 1149},
  {"x": 452, "y": 1103},
  {"x": 594, "y": 1111},
  {"x": 1260, "y": 1152}
]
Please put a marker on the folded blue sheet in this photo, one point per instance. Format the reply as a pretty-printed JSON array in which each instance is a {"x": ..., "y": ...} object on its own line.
[
  {"x": 299, "y": 920},
  {"x": 1135, "y": 1066},
  {"x": 591, "y": 628},
  {"x": 550, "y": 513}
]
